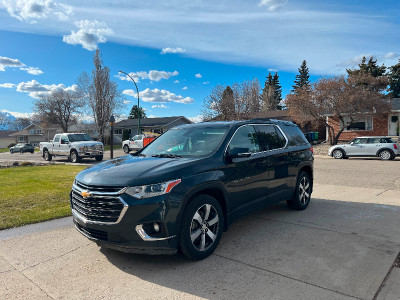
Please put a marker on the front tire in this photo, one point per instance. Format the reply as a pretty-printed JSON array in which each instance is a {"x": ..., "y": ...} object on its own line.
[
  {"x": 47, "y": 156},
  {"x": 12, "y": 152},
  {"x": 21, "y": 151},
  {"x": 99, "y": 157},
  {"x": 201, "y": 227},
  {"x": 338, "y": 154},
  {"x": 74, "y": 157},
  {"x": 302, "y": 194},
  {"x": 126, "y": 149},
  {"x": 385, "y": 155}
]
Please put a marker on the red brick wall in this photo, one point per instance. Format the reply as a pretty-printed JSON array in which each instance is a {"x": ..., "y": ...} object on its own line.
[{"x": 380, "y": 127}]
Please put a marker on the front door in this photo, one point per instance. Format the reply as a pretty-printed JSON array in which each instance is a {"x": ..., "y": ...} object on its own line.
[
  {"x": 357, "y": 147},
  {"x": 64, "y": 145},
  {"x": 394, "y": 124}
]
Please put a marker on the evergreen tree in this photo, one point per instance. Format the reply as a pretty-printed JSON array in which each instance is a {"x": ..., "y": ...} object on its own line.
[
  {"x": 135, "y": 113},
  {"x": 277, "y": 92},
  {"x": 303, "y": 78},
  {"x": 228, "y": 105},
  {"x": 370, "y": 68},
  {"x": 394, "y": 80}
]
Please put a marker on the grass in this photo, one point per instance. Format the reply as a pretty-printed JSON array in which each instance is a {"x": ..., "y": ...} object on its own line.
[
  {"x": 107, "y": 147},
  {"x": 35, "y": 194},
  {"x": 2, "y": 150}
]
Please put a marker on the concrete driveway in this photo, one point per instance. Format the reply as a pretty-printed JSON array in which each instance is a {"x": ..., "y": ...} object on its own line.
[{"x": 344, "y": 246}]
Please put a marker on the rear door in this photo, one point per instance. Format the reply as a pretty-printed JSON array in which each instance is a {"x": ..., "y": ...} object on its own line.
[{"x": 372, "y": 147}]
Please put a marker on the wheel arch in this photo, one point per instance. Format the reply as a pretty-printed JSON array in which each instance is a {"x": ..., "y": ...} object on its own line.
[
  {"x": 386, "y": 148},
  {"x": 338, "y": 148}
]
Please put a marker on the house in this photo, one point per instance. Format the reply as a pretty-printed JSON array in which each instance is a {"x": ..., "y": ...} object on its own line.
[
  {"x": 155, "y": 125},
  {"x": 6, "y": 139},
  {"x": 370, "y": 125},
  {"x": 89, "y": 129},
  {"x": 36, "y": 133}
]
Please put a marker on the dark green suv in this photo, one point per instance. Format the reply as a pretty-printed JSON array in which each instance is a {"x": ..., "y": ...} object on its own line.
[
  {"x": 187, "y": 186},
  {"x": 21, "y": 148}
]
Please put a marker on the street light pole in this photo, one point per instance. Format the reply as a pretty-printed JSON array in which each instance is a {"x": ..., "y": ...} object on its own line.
[
  {"x": 138, "y": 107},
  {"x": 112, "y": 120}
]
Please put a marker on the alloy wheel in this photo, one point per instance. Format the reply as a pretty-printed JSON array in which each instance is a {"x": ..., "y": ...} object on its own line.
[
  {"x": 337, "y": 154},
  {"x": 204, "y": 227},
  {"x": 304, "y": 190},
  {"x": 385, "y": 154}
]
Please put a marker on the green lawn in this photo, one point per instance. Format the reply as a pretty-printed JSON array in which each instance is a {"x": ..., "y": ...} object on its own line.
[
  {"x": 2, "y": 150},
  {"x": 35, "y": 194},
  {"x": 107, "y": 147}
]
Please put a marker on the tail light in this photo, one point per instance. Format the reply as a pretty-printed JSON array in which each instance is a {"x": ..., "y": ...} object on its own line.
[
  {"x": 395, "y": 146},
  {"x": 312, "y": 150}
]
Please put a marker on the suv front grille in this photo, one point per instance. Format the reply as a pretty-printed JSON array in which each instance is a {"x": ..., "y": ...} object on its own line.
[
  {"x": 103, "y": 205},
  {"x": 93, "y": 233}
]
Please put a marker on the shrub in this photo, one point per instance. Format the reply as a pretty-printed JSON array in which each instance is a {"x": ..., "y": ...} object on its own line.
[{"x": 11, "y": 145}]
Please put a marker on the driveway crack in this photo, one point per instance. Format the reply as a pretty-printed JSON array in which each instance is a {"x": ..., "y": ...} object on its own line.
[{"x": 395, "y": 264}]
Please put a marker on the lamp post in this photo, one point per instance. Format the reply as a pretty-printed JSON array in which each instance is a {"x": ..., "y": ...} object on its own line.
[
  {"x": 112, "y": 120},
  {"x": 138, "y": 107}
]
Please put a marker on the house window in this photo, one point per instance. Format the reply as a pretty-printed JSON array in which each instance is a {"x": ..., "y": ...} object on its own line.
[
  {"x": 21, "y": 139},
  {"x": 32, "y": 131},
  {"x": 360, "y": 123},
  {"x": 39, "y": 131},
  {"x": 118, "y": 131}
]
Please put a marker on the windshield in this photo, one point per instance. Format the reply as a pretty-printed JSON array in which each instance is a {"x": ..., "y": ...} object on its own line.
[
  {"x": 186, "y": 142},
  {"x": 79, "y": 137}
]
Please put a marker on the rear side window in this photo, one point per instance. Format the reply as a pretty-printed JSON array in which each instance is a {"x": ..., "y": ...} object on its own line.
[
  {"x": 359, "y": 141},
  {"x": 56, "y": 138},
  {"x": 244, "y": 139},
  {"x": 375, "y": 141},
  {"x": 269, "y": 137},
  {"x": 295, "y": 136},
  {"x": 386, "y": 140}
]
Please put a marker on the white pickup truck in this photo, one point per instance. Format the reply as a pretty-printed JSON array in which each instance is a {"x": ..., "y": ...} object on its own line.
[
  {"x": 73, "y": 145},
  {"x": 137, "y": 142}
]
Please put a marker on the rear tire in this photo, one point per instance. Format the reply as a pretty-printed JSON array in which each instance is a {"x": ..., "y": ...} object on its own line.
[
  {"x": 302, "y": 194},
  {"x": 21, "y": 151},
  {"x": 126, "y": 149},
  {"x": 201, "y": 227},
  {"x": 99, "y": 158},
  {"x": 47, "y": 156},
  {"x": 12, "y": 152},
  {"x": 74, "y": 157},
  {"x": 386, "y": 155}
]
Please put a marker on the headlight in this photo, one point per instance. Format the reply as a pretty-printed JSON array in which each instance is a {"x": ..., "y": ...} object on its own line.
[{"x": 152, "y": 190}]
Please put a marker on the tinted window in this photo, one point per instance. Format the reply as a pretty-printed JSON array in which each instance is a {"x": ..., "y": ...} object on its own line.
[
  {"x": 294, "y": 134},
  {"x": 360, "y": 141},
  {"x": 79, "y": 137},
  {"x": 269, "y": 137},
  {"x": 64, "y": 139},
  {"x": 245, "y": 139},
  {"x": 386, "y": 140},
  {"x": 374, "y": 141}
]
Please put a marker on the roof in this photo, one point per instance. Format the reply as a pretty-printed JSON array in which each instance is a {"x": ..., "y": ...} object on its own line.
[
  {"x": 149, "y": 122},
  {"x": 217, "y": 124},
  {"x": 25, "y": 131},
  {"x": 4, "y": 134}
]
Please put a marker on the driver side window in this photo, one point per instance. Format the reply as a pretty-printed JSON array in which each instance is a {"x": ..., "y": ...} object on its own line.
[{"x": 244, "y": 141}]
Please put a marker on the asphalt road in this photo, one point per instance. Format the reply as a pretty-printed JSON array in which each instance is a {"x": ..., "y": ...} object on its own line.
[{"x": 342, "y": 247}]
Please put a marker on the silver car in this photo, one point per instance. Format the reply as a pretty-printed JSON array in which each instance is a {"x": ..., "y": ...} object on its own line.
[{"x": 381, "y": 146}]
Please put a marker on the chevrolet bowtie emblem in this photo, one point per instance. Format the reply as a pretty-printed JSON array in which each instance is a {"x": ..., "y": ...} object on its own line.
[{"x": 85, "y": 194}]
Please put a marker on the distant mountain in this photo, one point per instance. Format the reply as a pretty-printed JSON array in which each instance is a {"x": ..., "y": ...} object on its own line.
[{"x": 5, "y": 119}]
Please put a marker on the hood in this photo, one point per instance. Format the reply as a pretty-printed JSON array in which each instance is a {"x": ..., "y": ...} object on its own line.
[
  {"x": 131, "y": 170},
  {"x": 86, "y": 143}
]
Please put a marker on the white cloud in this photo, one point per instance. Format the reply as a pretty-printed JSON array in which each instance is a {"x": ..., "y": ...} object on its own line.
[
  {"x": 37, "y": 90},
  {"x": 159, "y": 106},
  {"x": 198, "y": 75},
  {"x": 272, "y": 70},
  {"x": 273, "y": 5},
  {"x": 172, "y": 50},
  {"x": 89, "y": 35},
  {"x": 6, "y": 62},
  {"x": 153, "y": 75},
  {"x": 391, "y": 55},
  {"x": 17, "y": 114},
  {"x": 32, "y": 70},
  {"x": 32, "y": 10},
  {"x": 185, "y": 88},
  {"x": 159, "y": 96},
  {"x": 176, "y": 81},
  {"x": 127, "y": 102},
  {"x": 206, "y": 82},
  {"x": 153, "y": 116},
  {"x": 7, "y": 85},
  {"x": 354, "y": 61},
  {"x": 196, "y": 119}
]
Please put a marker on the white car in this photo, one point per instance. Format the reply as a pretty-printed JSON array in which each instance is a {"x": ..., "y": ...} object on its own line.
[{"x": 380, "y": 146}]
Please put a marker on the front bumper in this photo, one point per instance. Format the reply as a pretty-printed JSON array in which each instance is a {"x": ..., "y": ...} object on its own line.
[
  {"x": 90, "y": 153},
  {"x": 131, "y": 232}
]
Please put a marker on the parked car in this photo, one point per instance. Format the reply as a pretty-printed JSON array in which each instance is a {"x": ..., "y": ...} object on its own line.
[
  {"x": 137, "y": 142},
  {"x": 380, "y": 146},
  {"x": 73, "y": 145},
  {"x": 22, "y": 148},
  {"x": 190, "y": 184}
]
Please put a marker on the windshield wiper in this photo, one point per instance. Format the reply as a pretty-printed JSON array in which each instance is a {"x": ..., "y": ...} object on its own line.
[{"x": 165, "y": 155}]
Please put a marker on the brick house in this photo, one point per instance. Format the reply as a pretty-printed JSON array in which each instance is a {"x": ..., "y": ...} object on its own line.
[{"x": 370, "y": 125}]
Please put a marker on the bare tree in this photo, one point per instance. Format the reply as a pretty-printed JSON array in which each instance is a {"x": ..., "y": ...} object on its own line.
[
  {"x": 341, "y": 98},
  {"x": 60, "y": 107},
  {"x": 101, "y": 94},
  {"x": 240, "y": 101},
  {"x": 19, "y": 123}
]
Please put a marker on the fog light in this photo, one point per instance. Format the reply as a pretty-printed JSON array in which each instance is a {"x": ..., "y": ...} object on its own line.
[{"x": 156, "y": 227}]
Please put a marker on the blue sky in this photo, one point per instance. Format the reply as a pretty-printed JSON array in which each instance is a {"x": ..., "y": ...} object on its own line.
[{"x": 47, "y": 44}]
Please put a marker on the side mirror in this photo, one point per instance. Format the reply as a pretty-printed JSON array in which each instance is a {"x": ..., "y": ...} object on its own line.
[
  {"x": 66, "y": 142},
  {"x": 351, "y": 143}
]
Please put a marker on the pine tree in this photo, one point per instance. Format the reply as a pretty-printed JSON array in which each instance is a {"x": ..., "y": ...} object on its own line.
[
  {"x": 370, "y": 68},
  {"x": 134, "y": 113},
  {"x": 278, "y": 92},
  {"x": 303, "y": 78},
  {"x": 228, "y": 105},
  {"x": 394, "y": 80}
]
